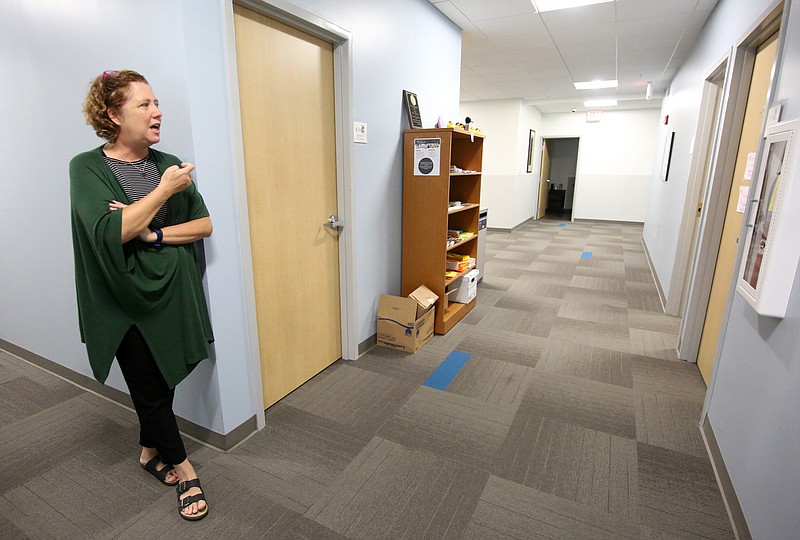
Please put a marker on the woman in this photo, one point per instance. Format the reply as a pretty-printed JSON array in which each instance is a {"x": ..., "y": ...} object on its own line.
[{"x": 135, "y": 217}]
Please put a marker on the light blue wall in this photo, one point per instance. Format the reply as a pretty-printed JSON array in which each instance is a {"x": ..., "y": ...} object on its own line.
[
  {"x": 755, "y": 397},
  {"x": 49, "y": 51}
]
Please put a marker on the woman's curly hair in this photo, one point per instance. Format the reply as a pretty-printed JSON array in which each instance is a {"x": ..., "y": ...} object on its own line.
[{"x": 108, "y": 92}]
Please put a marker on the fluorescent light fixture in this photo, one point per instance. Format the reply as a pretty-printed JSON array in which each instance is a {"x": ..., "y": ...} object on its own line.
[
  {"x": 648, "y": 94},
  {"x": 592, "y": 85},
  {"x": 553, "y": 5},
  {"x": 600, "y": 103}
]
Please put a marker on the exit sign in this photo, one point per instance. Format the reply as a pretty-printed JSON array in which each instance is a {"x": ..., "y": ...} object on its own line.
[{"x": 593, "y": 116}]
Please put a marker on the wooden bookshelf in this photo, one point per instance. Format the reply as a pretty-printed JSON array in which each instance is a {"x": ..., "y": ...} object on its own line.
[{"x": 427, "y": 216}]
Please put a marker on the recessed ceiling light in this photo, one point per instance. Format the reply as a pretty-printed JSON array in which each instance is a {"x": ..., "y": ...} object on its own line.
[
  {"x": 600, "y": 103},
  {"x": 553, "y": 5},
  {"x": 591, "y": 85}
]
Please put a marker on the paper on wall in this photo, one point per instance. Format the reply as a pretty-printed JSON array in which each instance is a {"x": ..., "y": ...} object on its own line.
[
  {"x": 751, "y": 164},
  {"x": 741, "y": 205}
]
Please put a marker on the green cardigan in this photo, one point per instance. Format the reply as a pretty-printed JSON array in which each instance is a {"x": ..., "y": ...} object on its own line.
[{"x": 118, "y": 285}]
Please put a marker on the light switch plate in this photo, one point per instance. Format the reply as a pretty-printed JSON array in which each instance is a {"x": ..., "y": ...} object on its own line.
[{"x": 360, "y": 132}]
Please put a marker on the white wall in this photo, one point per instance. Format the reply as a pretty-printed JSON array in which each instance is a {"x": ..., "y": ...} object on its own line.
[
  {"x": 49, "y": 51},
  {"x": 615, "y": 161},
  {"x": 507, "y": 189},
  {"x": 755, "y": 397}
]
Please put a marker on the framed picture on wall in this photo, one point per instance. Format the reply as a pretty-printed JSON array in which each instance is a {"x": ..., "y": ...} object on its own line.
[
  {"x": 531, "y": 144},
  {"x": 669, "y": 141}
]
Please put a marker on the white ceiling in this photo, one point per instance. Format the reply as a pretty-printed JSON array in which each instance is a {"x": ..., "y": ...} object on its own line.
[{"x": 511, "y": 51}]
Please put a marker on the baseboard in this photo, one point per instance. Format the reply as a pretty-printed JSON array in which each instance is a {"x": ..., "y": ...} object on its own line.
[
  {"x": 735, "y": 513},
  {"x": 661, "y": 296},
  {"x": 598, "y": 220},
  {"x": 189, "y": 428},
  {"x": 512, "y": 229},
  {"x": 368, "y": 344}
]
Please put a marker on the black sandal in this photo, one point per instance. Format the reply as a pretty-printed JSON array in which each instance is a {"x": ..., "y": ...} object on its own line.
[
  {"x": 152, "y": 467},
  {"x": 182, "y": 488}
]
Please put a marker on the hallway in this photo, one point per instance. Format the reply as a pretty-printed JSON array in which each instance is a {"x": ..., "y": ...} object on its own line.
[{"x": 571, "y": 418}]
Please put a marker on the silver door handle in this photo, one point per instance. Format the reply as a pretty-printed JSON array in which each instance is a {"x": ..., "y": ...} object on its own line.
[{"x": 334, "y": 222}]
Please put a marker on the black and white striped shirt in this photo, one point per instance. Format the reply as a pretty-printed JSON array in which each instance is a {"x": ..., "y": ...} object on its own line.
[{"x": 138, "y": 178}]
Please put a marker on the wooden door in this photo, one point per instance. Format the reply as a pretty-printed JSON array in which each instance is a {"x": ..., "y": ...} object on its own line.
[
  {"x": 543, "y": 183},
  {"x": 748, "y": 143},
  {"x": 288, "y": 126}
]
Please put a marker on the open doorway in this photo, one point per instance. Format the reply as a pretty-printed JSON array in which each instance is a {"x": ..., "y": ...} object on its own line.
[{"x": 557, "y": 189}]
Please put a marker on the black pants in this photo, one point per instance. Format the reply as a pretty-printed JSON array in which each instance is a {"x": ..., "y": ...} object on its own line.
[{"x": 152, "y": 398}]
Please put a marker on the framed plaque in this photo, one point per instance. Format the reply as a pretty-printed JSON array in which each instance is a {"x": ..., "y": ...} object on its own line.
[
  {"x": 531, "y": 145},
  {"x": 412, "y": 109}
]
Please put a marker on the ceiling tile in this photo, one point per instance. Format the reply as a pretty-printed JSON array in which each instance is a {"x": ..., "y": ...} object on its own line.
[
  {"x": 631, "y": 77},
  {"x": 467, "y": 97},
  {"x": 531, "y": 94},
  {"x": 585, "y": 34},
  {"x": 490, "y": 69},
  {"x": 539, "y": 63},
  {"x": 603, "y": 46},
  {"x": 472, "y": 35},
  {"x": 485, "y": 59},
  {"x": 535, "y": 56},
  {"x": 590, "y": 73},
  {"x": 478, "y": 10},
  {"x": 522, "y": 42},
  {"x": 478, "y": 46},
  {"x": 589, "y": 60},
  {"x": 644, "y": 27},
  {"x": 491, "y": 93},
  {"x": 643, "y": 58},
  {"x": 637, "y": 9},
  {"x": 517, "y": 24},
  {"x": 626, "y": 41},
  {"x": 581, "y": 16}
]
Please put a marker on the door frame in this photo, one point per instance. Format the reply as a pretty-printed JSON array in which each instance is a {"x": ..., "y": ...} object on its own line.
[
  {"x": 341, "y": 39},
  {"x": 704, "y": 149},
  {"x": 544, "y": 138}
]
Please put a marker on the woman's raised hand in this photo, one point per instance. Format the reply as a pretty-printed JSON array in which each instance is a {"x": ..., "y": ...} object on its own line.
[{"x": 176, "y": 178}]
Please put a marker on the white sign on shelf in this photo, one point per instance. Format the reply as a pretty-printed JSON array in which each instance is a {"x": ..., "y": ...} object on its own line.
[{"x": 427, "y": 154}]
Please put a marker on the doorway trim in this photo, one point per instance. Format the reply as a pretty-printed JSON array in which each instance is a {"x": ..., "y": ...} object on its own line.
[
  {"x": 542, "y": 140},
  {"x": 341, "y": 39},
  {"x": 704, "y": 149}
]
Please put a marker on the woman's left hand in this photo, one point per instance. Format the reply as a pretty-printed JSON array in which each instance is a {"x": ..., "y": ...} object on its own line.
[{"x": 116, "y": 205}]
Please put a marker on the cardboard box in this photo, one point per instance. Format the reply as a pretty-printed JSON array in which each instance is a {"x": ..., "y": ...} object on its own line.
[
  {"x": 466, "y": 287},
  {"x": 406, "y": 324}
]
